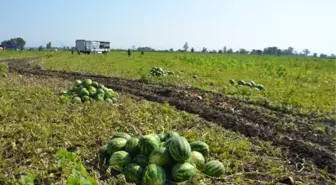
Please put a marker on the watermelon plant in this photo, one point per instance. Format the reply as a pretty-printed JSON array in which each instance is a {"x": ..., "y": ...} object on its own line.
[
  {"x": 88, "y": 90},
  {"x": 158, "y": 71},
  {"x": 251, "y": 84},
  {"x": 155, "y": 158}
]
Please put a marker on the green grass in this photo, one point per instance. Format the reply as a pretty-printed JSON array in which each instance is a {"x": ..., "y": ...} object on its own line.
[
  {"x": 20, "y": 54},
  {"x": 35, "y": 126},
  {"x": 303, "y": 84}
]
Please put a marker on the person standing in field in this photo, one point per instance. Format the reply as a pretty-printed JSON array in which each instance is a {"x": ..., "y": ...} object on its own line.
[{"x": 129, "y": 52}]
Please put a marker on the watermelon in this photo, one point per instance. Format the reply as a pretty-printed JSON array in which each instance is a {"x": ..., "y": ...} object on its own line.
[
  {"x": 241, "y": 82},
  {"x": 119, "y": 159},
  {"x": 260, "y": 87},
  {"x": 92, "y": 90},
  {"x": 101, "y": 86},
  {"x": 197, "y": 159},
  {"x": 201, "y": 147},
  {"x": 78, "y": 82},
  {"x": 179, "y": 149},
  {"x": 77, "y": 99},
  {"x": 95, "y": 84},
  {"x": 141, "y": 160},
  {"x": 100, "y": 97},
  {"x": 253, "y": 83},
  {"x": 87, "y": 82},
  {"x": 109, "y": 100},
  {"x": 115, "y": 145},
  {"x": 108, "y": 95},
  {"x": 154, "y": 175},
  {"x": 214, "y": 168},
  {"x": 255, "y": 88},
  {"x": 232, "y": 82},
  {"x": 121, "y": 135},
  {"x": 183, "y": 172},
  {"x": 170, "y": 135},
  {"x": 103, "y": 154},
  {"x": 160, "y": 156},
  {"x": 84, "y": 92},
  {"x": 249, "y": 84},
  {"x": 147, "y": 144},
  {"x": 132, "y": 145},
  {"x": 155, "y": 136},
  {"x": 100, "y": 91},
  {"x": 85, "y": 98},
  {"x": 133, "y": 172},
  {"x": 166, "y": 143}
]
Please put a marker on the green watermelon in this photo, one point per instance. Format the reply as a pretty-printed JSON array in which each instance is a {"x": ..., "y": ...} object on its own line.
[
  {"x": 256, "y": 89},
  {"x": 101, "y": 86},
  {"x": 179, "y": 149},
  {"x": 84, "y": 92},
  {"x": 132, "y": 145},
  {"x": 87, "y": 82},
  {"x": 197, "y": 159},
  {"x": 141, "y": 160},
  {"x": 214, "y": 168},
  {"x": 201, "y": 147},
  {"x": 166, "y": 143},
  {"x": 260, "y": 87},
  {"x": 121, "y": 135},
  {"x": 109, "y": 100},
  {"x": 241, "y": 82},
  {"x": 133, "y": 172},
  {"x": 108, "y": 95},
  {"x": 160, "y": 156},
  {"x": 114, "y": 99},
  {"x": 232, "y": 82},
  {"x": 154, "y": 175},
  {"x": 103, "y": 154},
  {"x": 119, "y": 159},
  {"x": 78, "y": 82},
  {"x": 249, "y": 84},
  {"x": 100, "y": 91},
  {"x": 253, "y": 83},
  {"x": 100, "y": 97},
  {"x": 147, "y": 144},
  {"x": 92, "y": 90},
  {"x": 115, "y": 145},
  {"x": 77, "y": 99},
  {"x": 183, "y": 172},
  {"x": 170, "y": 135},
  {"x": 85, "y": 98},
  {"x": 155, "y": 136},
  {"x": 95, "y": 84}
]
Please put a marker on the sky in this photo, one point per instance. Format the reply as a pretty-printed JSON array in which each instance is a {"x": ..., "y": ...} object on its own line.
[{"x": 249, "y": 24}]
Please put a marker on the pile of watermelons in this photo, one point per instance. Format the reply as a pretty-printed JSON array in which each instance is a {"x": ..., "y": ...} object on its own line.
[
  {"x": 250, "y": 84},
  {"x": 158, "y": 71},
  {"x": 154, "y": 159},
  {"x": 88, "y": 90}
]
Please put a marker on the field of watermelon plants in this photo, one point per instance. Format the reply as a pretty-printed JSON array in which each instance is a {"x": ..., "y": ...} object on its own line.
[
  {"x": 304, "y": 84},
  {"x": 63, "y": 127}
]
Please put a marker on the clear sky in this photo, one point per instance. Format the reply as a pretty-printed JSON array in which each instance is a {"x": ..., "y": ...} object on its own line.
[{"x": 168, "y": 24}]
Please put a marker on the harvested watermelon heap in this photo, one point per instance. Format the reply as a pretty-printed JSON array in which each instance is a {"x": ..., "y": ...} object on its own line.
[
  {"x": 155, "y": 158},
  {"x": 88, "y": 90},
  {"x": 250, "y": 84}
]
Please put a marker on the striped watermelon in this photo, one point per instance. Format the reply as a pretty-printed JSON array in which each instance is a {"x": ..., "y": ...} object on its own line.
[
  {"x": 121, "y": 135},
  {"x": 201, "y": 147},
  {"x": 132, "y": 146},
  {"x": 133, "y": 172},
  {"x": 179, "y": 149},
  {"x": 147, "y": 144},
  {"x": 160, "y": 156},
  {"x": 154, "y": 175},
  {"x": 141, "y": 160},
  {"x": 183, "y": 172},
  {"x": 119, "y": 159},
  {"x": 103, "y": 154},
  {"x": 115, "y": 145},
  {"x": 170, "y": 135},
  {"x": 214, "y": 168},
  {"x": 197, "y": 159}
]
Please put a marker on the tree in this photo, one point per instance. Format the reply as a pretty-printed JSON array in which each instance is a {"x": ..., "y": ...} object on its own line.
[
  {"x": 48, "y": 46},
  {"x": 18, "y": 42},
  {"x": 204, "y": 50},
  {"x": 171, "y": 50},
  {"x": 220, "y": 51},
  {"x": 243, "y": 51},
  {"x": 192, "y": 50},
  {"x": 288, "y": 51},
  {"x": 323, "y": 55},
  {"x": 40, "y": 48},
  {"x": 224, "y": 49},
  {"x": 315, "y": 55},
  {"x": 186, "y": 46},
  {"x": 230, "y": 51},
  {"x": 306, "y": 52}
]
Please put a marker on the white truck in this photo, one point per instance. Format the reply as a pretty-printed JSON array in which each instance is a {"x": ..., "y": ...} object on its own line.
[{"x": 90, "y": 46}]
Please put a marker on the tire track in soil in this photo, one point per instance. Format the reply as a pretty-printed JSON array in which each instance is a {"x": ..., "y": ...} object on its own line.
[{"x": 245, "y": 122}]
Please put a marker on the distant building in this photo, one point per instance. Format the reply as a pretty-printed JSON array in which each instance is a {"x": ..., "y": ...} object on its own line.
[{"x": 9, "y": 47}]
